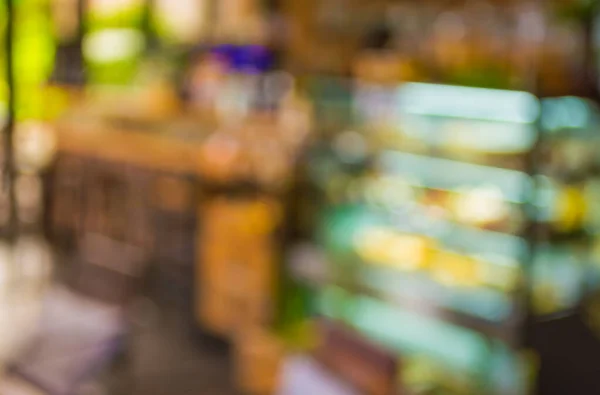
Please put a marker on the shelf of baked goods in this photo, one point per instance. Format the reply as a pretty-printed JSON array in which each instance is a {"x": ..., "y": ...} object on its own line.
[
  {"x": 412, "y": 316},
  {"x": 554, "y": 209},
  {"x": 430, "y": 192},
  {"x": 410, "y": 233},
  {"x": 474, "y": 271},
  {"x": 473, "y": 173},
  {"x": 478, "y": 289},
  {"x": 444, "y": 174},
  {"x": 447, "y": 347},
  {"x": 444, "y": 305},
  {"x": 476, "y": 212},
  {"x": 485, "y": 127}
]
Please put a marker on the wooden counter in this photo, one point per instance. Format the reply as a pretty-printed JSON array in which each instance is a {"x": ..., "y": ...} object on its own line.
[
  {"x": 152, "y": 185},
  {"x": 172, "y": 146},
  {"x": 146, "y": 149}
]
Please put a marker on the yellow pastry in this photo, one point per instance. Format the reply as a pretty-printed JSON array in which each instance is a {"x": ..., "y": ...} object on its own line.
[{"x": 454, "y": 269}]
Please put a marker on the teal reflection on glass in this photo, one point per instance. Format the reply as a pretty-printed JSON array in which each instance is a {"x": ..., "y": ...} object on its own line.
[
  {"x": 509, "y": 371},
  {"x": 332, "y": 302},
  {"x": 486, "y": 304},
  {"x": 411, "y": 332},
  {"x": 341, "y": 224},
  {"x": 567, "y": 113},
  {"x": 469, "y": 103},
  {"x": 448, "y": 174}
]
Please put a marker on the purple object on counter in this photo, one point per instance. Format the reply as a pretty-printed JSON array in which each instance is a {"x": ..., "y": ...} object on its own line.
[{"x": 253, "y": 59}]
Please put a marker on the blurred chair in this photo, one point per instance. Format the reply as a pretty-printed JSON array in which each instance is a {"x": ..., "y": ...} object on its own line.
[{"x": 84, "y": 325}]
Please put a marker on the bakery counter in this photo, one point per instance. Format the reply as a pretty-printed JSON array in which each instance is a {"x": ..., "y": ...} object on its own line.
[{"x": 205, "y": 199}]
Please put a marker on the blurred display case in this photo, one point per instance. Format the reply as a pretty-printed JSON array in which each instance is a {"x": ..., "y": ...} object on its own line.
[{"x": 454, "y": 218}]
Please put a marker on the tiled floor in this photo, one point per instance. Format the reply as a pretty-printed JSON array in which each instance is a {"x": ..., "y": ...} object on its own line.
[
  {"x": 166, "y": 358},
  {"x": 169, "y": 361},
  {"x": 23, "y": 280}
]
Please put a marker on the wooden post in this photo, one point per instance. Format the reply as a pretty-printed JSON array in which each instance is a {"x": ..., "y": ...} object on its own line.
[{"x": 9, "y": 164}]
